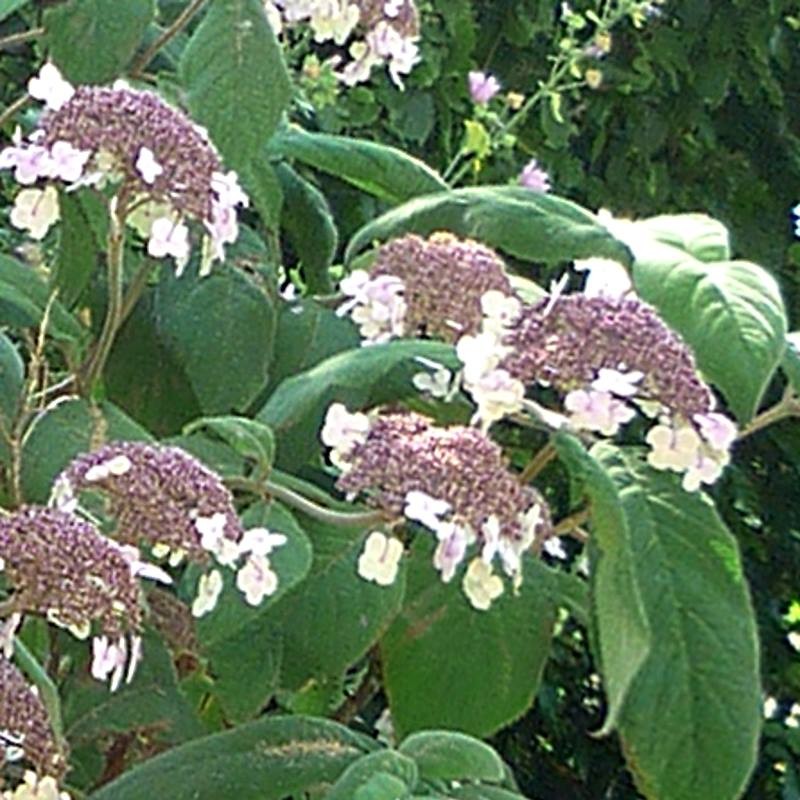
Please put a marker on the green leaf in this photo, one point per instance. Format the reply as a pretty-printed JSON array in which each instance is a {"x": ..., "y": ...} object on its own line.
[
  {"x": 8, "y": 7},
  {"x": 359, "y": 378},
  {"x": 385, "y": 172},
  {"x": 334, "y": 617},
  {"x": 622, "y": 625},
  {"x": 78, "y": 250},
  {"x": 525, "y": 224},
  {"x": 730, "y": 313},
  {"x": 447, "y": 665},
  {"x": 261, "y": 182},
  {"x": 691, "y": 721},
  {"x": 12, "y": 381},
  {"x": 451, "y": 756},
  {"x": 384, "y": 775},
  {"x": 236, "y": 79},
  {"x": 699, "y": 235},
  {"x": 483, "y": 793},
  {"x": 308, "y": 222},
  {"x": 92, "y": 41},
  {"x": 247, "y": 437},
  {"x": 243, "y": 649},
  {"x": 307, "y": 334},
  {"x": 61, "y": 433},
  {"x": 152, "y": 700},
  {"x": 264, "y": 760},
  {"x": 24, "y": 296},
  {"x": 791, "y": 360}
]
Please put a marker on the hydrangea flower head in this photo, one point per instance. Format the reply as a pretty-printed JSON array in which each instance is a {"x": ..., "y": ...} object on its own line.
[
  {"x": 451, "y": 480},
  {"x": 25, "y": 725},
  {"x": 437, "y": 285}
]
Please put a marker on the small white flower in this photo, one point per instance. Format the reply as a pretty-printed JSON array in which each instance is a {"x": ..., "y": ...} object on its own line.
[
  {"x": 597, "y": 411},
  {"x": 380, "y": 559},
  {"x": 605, "y": 278},
  {"x": 716, "y": 429},
  {"x": 147, "y": 166},
  {"x": 423, "y": 508},
  {"x": 499, "y": 311},
  {"x": 794, "y": 640},
  {"x": 30, "y": 162},
  {"x": 706, "y": 468},
  {"x": 273, "y": 17},
  {"x": 8, "y": 629},
  {"x": 480, "y": 585},
  {"x": 479, "y": 354},
  {"x": 436, "y": 384},
  {"x": 452, "y": 547},
  {"x": 35, "y": 210},
  {"x": 66, "y": 162},
  {"x": 229, "y": 193},
  {"x": 260, "y": 541},
  {"x": 209, "y": 588},
  {"x": 116, "y": 466},
  {"x": 256, "y": 579},
  {"x": 109, "y": 659},
  {"x": 497, "y": 395},
  {"x": 50, "y": 87},
  {"x": 35, "y": 788},
  {"x": 334, "y": 19},
  {"x": 554, "y": 547},
  {"x": 672, "y": 448},
  {"x": 770, "y": 707},
  {"x": 169, "y": 237},
  {"x": 622, "y": 384},
  {"x": 342, "y": 431},
  {"x": 62, "y": 495}
]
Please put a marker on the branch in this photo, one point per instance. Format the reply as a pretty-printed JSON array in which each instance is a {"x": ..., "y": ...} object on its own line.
[
  {"x": 537, "y": 463},
  {"x": 17, "y": 105},
  {"x": 169, "y": 33},
  {"x": 20, "y": 37},
  {"x": 788, "y": 406}
]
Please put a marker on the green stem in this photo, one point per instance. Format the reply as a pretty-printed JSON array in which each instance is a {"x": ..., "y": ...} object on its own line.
[
  {"x": 92, "y": 369},
  {"x": 17, "y": 105},
  {"x": 166, "y": 35},
  {"x": 20, "y": 37},
  {"x": 48, "y": 693},
  {"x": 788, "y": 406},
  {"x": 539, "y": 461},
  {"x": 297, "y": 501}
]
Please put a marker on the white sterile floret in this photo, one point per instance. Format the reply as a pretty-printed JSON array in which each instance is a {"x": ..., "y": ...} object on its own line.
[
  {"x": 209, "y": 588},
  {"x": 260, "y": 541},
  {"x": 497, "y": 395},
  {"x": 423, "y": 508},
  {"x": 256, "y": 579},
  {"x": 622, "y": 384},
  {"x": 66, "y": 162},
  {"x": 8, "y": 630},
  {"x": 479, "y": 354},
  {"x": 147, "y": 166},
  {"x": 35, "y": 788},
  {"x": 597, "y": 411},
  {"x": 452, "y": 547},
  {"x": 380, "y": 559},
  {"x": 229, "y": 193},
  {"x": 169, "y": 238},
  {"x": 35, "y": 210},
  {"x": 673, "y": 448},
  {"x": 436, "y": 384},
  {"x": 50, "y": 87},
  {"x": 480, "y": 585},
  {"x": 706, "y": 468},
  {"x": 342, "y": 431},
  {"x": 334, "y": 19},
  {"x": 794, "y": 640},
  {"x": 499, "y": 311},
  {"x": 554, "y": 547},
  {"x": 29, "y": 162},
  {"x": 604, "y": 278},
  {"x": 213, "y": 538},
  {"x": 717, "y": 429},
  {"x": 378, "y": 308},
  {"x": 116, "y": 467},
  {"x": 62, "y": 495},
  {"x": 110, "y": 658}
]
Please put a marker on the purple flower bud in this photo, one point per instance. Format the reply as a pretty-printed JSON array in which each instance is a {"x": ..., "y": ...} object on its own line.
[
  {"x": 25, "y": 731},
  {"x": 482, "y": 86},
  {"x": 534, "y": 177},
  {"x": 160, "y": 495},
  {"x": 62, "y": 568}
]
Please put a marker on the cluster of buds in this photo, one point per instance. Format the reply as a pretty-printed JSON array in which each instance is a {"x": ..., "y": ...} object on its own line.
[
  {"x": 163, "y": 167},
  {"x": 610, "y": 357},
  {"x": 25, "y": 731},
  {"x": 454, "y": 481},
  {"x": 62, "y": 568},
  {"x": 167, "y": 499},
  {"x": 424, "y": 288},
  {"x": 386, "y": 31}
]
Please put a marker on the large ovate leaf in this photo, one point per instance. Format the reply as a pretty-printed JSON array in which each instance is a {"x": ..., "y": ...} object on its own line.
[
  {"x": 699, "y": 235},
  {"x": 248, "y": 438},
  {"x": 64, "y": 431},
  {"x": 730, "y": 313},
  {"x": 791, "y": 360},
  {"x": 622, "y": 626},
  {"x": 453, "y": 756},
  {"x": 528, "y": 225},
  {"x": 383, "y": 775},
  {"x": 24, "y": 298},
  {"x": 330, "y": 621},
  {"x": 358, "y": 378},
  {"x": 308, "y": 221},
  {"x": 8, "y": 7},
  {"x": 386, "y": 172},
  {"x": 12, "y": 383},
  {"x": 243, "y": 650},
  {"x": 448, "y": 665},
  {"x": 691, "y": 719},
  {"x": 92, "y": 41},
  {"x": 236, "y": 79},
  {"x": 269, "y": 759}
]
